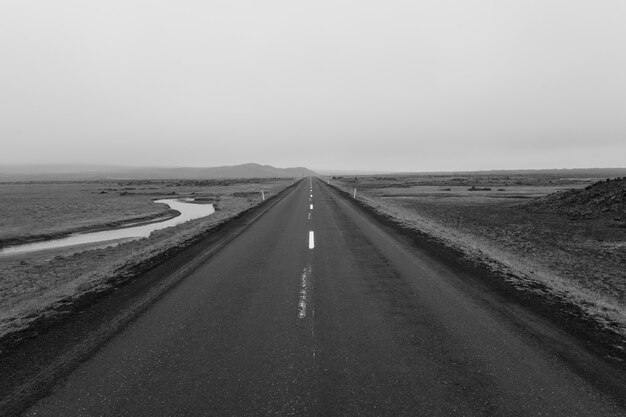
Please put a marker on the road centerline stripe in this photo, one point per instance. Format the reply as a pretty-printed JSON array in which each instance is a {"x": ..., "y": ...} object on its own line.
[
  {"x": 311, "y": 240},
  {"x": 304, "y": 288}
]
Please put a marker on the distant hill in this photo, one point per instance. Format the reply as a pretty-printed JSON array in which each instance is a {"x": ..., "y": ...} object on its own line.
[
  {"x": 78, "y": 172},
  {"x": 601, "y": 199}
]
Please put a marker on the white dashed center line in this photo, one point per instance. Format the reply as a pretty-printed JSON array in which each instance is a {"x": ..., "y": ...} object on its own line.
[
  {"x": 306, "y": 272},
  {"x": 304, "y": 287}
]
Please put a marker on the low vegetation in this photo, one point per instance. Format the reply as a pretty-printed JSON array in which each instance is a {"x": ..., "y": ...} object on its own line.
[{"x": 43, "y": 211}]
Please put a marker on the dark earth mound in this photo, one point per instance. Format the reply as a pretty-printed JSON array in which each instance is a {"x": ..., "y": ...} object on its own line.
[{"x": 605, "y": 198}]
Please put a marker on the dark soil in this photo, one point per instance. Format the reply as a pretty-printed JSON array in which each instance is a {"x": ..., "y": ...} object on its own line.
[{"x": 602, "y": 199}]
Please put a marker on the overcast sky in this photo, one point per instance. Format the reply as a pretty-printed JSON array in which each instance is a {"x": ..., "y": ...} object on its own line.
[{"x": 369, "y": 85}]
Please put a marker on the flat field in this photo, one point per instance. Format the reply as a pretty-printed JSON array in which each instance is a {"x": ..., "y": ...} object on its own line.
[
  {"x": 494, "y": 220},
  {"x": 42, "y": 211},
  {"x": 40, "y": 284}
]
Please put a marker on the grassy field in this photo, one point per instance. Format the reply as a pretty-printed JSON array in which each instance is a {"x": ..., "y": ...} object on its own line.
[
  {"x": 33, "y": 285},
  {"x": 491, "y": 220},
  {"x": 41, "y": 211}
]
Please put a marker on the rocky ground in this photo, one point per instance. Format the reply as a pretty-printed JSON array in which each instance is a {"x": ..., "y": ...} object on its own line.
[{"x": 605, "y": 200}]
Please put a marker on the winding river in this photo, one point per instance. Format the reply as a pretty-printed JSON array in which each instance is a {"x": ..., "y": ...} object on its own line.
[{"x": 188, "y": 211}]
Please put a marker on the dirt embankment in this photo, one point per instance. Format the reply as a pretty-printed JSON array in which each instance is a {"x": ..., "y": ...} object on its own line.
[{"x": 602, "y": 200}]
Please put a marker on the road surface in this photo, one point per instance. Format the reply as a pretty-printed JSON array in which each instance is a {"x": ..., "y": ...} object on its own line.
[{"x": 318, "y": 309}]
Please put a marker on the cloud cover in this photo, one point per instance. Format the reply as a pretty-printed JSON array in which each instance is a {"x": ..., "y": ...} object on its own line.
[{"x": 394, "y": 85}]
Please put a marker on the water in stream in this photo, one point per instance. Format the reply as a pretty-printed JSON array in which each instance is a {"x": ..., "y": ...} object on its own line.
[{"x": 188, "y": 211}]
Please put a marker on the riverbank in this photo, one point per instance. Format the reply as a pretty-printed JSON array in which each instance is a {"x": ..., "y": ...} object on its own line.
[
  {"x": 42, "y": 287},
  {"x": 33, "y": 212},
  {"x": 36, "y": 211},
  {"x": 168, "y": 214},
  {"x": 109, "y": 237},
  {"x": 576, "y": 267}
]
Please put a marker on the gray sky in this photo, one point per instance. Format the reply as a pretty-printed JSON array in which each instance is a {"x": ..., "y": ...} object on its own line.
[{"x": 380, "y": 85}]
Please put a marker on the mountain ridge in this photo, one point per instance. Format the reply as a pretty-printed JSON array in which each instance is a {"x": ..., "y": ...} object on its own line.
[{"x": 49, "y": 172}]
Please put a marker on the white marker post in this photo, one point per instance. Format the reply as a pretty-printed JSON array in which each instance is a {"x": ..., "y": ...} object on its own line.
[
  {"x": 262, "y": 194},
  {"x": 354, "y": 194}
]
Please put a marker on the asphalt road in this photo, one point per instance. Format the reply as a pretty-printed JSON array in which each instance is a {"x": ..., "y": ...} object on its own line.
[{"x": 351, "y": 319}]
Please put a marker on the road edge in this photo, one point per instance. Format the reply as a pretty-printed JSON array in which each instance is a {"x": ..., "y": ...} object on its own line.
[
  {"x": 564, "y": 315},
  {"x": 29, "y": 369}
]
